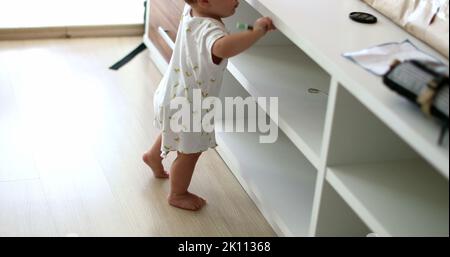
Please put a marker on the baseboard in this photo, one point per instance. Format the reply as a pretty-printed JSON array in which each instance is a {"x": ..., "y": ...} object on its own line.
[{"x": 72, "y": 32}]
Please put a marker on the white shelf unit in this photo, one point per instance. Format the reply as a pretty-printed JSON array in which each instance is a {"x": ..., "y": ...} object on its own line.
[
  {"x": 347, "y": 164},
  {"x": 275, "y": 67},
  {"x": 337, "y": 218},
  {"x": 330, "y": 35},
  {"x": 400, "y": 198},
  {"x": 389, "y": 186},
  {"x": 277, "y": 176},
  {"x": 279, "y": 71}
]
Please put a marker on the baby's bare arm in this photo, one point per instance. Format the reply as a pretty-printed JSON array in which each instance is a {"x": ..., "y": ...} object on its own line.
[{"x": 235, "y": 44}]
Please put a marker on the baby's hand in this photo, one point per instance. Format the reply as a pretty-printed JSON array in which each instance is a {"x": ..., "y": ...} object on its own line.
[{"x": 264, "y": 25}]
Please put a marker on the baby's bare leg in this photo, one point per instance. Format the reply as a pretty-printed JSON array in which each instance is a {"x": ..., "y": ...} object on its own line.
[
  {"x": 154, "y": 160},
  {"x": 180, "y": 178}
]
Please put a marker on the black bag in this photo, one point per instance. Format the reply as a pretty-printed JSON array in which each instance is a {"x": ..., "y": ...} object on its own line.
[{"x": 424, "y": 83}]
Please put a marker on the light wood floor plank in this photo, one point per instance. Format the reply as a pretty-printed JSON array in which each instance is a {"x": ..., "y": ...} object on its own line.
[{"x": 24, "y": 210}]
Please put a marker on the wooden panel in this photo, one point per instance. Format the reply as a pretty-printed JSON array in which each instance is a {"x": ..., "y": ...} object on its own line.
[{"x": 165, "y": 14}]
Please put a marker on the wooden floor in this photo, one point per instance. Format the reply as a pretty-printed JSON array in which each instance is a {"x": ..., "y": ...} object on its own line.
[{"x": 72, "y": 134}]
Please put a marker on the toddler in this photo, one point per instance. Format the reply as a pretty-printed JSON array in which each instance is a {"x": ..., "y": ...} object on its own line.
[{"x": 199, "y": 60}]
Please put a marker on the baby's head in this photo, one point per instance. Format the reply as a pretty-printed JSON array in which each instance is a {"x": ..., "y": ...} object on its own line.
[{"x": 217, "y": 8}]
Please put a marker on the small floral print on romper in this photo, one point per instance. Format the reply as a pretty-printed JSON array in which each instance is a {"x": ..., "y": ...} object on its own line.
[
  {"x": 188, "y": 74},
  {"x": 174, "y": 91}
]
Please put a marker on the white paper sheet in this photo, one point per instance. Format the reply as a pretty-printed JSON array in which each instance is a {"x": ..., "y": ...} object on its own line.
[{"x": 378, "y": 59}]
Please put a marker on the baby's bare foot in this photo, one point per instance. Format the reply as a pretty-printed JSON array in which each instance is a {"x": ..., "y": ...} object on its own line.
[
  {"x": 156, "y": 165},
  {"x": 187, "y": 201}
]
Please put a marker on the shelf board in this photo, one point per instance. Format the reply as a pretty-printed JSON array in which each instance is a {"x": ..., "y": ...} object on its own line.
[
  {"x": 403, "y": 198},
  {"x": 277, "y": 177},
  {"x": 285, "y": 72}
]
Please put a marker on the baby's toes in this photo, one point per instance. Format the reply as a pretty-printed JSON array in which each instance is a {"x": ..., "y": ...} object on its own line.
[{"x": 200, "y": 202}]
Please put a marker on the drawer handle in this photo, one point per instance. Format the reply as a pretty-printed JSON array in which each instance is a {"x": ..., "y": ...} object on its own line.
[{"x": 163, "y": 33}]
